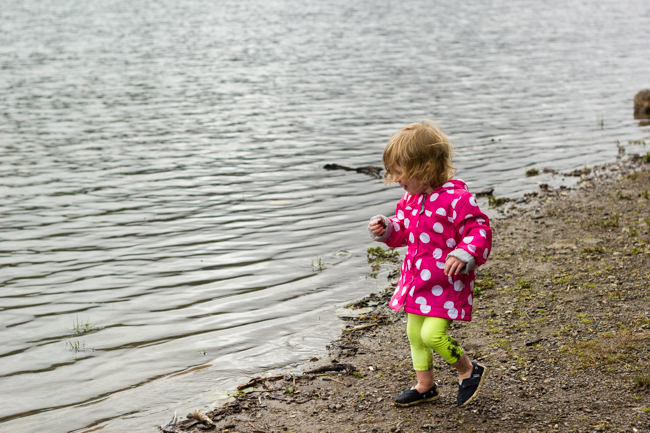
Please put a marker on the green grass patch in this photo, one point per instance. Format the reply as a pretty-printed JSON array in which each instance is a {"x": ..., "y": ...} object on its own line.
[
  {"x": 523, "y": 284},
  {"x": 610, "y": 222},
  {"x": 642, "y": 381},
  {"x": 496, "y": 202},
  {"x": 79, "y": 327},
  {"x": 483, "y": 284},
  {"x": 623, "y": 196},
  {"x": 318, "y": 265},
  {"x": 378, "y": 254}
]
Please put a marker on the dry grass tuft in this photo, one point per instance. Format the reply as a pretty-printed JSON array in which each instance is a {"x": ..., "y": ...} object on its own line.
[
  {"x": 642, "y": 381},
  {"x": 611, "y": 349}
]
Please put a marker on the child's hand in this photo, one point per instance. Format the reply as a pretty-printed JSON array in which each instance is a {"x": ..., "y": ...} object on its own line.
[
  {"x": 453, "y": 266},
  {"x": 377, "y": 227}
]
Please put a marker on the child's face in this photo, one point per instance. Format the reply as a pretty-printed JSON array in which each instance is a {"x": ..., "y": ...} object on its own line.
[{"x": 411, "y": 186}]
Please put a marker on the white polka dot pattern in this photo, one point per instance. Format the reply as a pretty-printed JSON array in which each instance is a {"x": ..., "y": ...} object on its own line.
[
  {"x": 432, "y": 229},
  {"x": 424, "y": 308}
]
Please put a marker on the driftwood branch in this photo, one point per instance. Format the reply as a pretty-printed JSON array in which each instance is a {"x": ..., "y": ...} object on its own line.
[
  {"x": 259, "y": 380},
  {"x": 356, "y": 328},
  {"x": 369, "y": 170},
  {"x": 348, "y": 368}
]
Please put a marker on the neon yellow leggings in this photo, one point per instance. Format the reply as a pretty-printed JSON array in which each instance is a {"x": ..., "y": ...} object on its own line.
[{"x": 427, "y": 334}]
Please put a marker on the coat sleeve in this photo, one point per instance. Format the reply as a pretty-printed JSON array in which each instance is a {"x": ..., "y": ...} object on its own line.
[
  {"x": 473, "y": 230},
  {"x": 398, "y": 237}
]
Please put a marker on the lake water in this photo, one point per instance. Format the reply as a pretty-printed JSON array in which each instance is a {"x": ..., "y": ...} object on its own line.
[{"x": 162, "y": 181}]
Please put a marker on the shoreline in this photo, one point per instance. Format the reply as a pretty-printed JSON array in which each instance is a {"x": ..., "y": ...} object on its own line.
[{"x": 561, "y": 321}]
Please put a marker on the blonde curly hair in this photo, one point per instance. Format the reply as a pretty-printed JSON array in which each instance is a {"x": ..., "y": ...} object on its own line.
[{"x": 419, "y": 151}]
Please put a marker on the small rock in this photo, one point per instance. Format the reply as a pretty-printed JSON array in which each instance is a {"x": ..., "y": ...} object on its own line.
[{"x": 642, "y": 104}]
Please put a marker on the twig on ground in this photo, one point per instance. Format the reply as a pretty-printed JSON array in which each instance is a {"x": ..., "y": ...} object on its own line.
[
  {"x": 334, "y": 380},
  {"x": 348, "y": 368},
  {"x": 258, "y": 380},
  {"x": 302, "y": 401},
  {"x": 356, "y": 328}
]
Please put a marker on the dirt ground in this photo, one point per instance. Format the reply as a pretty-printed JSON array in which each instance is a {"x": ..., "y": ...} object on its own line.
[{"x": 562, "y": 323}]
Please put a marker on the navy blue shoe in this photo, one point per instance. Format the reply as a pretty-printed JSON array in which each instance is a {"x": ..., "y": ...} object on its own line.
[
  {"x": 412, "y": 396},
  {"x": 468, "y": 388}
]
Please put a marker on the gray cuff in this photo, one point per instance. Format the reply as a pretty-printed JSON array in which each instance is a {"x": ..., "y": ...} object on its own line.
[
  {"x": 463, "y": 255},
  {"x": 387, "y": 233}
]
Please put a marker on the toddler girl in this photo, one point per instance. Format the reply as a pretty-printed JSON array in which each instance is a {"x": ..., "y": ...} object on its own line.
[{"x": 447, "y": 237}]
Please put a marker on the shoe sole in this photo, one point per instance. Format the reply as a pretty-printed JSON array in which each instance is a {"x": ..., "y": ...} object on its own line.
[
  {"x": 480, "y": 384},
  {"x": 413, "y": 403}
]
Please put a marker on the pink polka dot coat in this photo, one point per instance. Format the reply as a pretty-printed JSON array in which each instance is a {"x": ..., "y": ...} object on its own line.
[{"x": 432, "y": 226}]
